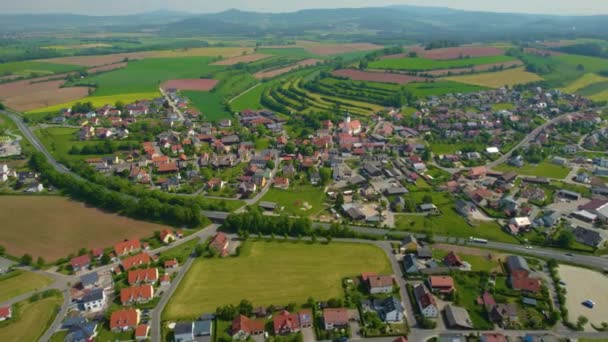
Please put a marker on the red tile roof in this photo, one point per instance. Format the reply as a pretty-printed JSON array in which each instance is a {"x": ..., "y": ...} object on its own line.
[
  {"x": 127, "y": 247},
  {"x": 380, "y": 281},
  {"x": 142, "y": 330},
  {"x": 126, "y": 318},
  {"x": 136, "y": 294},
  {"x": 526, "y": 284},
  {"x": 136, "y": 260},
  {"x": 441, "y": 282},
  {"x": 171, "y": 263},
  {"x": 249, "y": 326},
  {"x": 285, "y": 322},
  {"x": 452, "y": 260},
  {"x": 80, "y": 261},
  {"x": 146, "y": 275},
  {"x": 167, "y": 167},
  {"x": 337, "y": 316},
  {"x": 400, "y": 339},
  {"x": 220, "y": 242},
  {"x": 494, "y": 337},
  {"x": 5, "y": 312}
]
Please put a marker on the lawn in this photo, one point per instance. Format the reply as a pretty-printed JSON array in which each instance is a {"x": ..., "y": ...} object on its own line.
[
  {"x": 469, "y": 287},
  {"x": 53, "y": 226},
  {"x": 251, "y": 99},
  {"x": 99, "y": 101},
  {"x": 509, "y": 77},
  {"x": 418, "y": 63},
  {"x": 181, "y": 252},
  {"x": 297, "y": 200},
  {"x": 33, "y": 319},
  {"x": 29, "y": 68},
  {"x": 503, "y": 106},
  {"x": 19, "y": 282},
  {"x": 478, "y": 262},
  {"x": 441, "y": 88},
  {"x": 439, "y": 149},
  {"x": 543, "y": 169},
  {"x": 146, "y": 75},
  {"x": 273, "y": 273},
  {"x": 209, "y": 103}
]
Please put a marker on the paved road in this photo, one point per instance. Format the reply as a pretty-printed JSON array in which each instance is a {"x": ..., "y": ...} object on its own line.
[
  {"x": 37, "y": 144},
  {"x": 58, "y": 319},
  {"x": 172, "y": 104}
]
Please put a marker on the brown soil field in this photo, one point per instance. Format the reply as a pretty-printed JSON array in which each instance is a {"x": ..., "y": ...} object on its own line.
[
  {"x": 395, "y": 56},
  {"x": 53, "y": 227},
  {"x": 383, "y": 77},
  {"x": 477, "y": 68},
  {"x": 46, "y": 98},
  {"x": 452, "y": 52},
  {"x": 98, "y": 60},
  {"x": 328, "y": 49},
  {"x": 541, "y": 52},
  {"x": 269, "y": 73},
  {"x": 198, "y": 84},
  {"x": 109, "y": 67},
  {"x": 242, "y": 59}
]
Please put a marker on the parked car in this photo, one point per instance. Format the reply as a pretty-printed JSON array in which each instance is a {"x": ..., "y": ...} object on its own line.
[{"x": 589, "y": 303}]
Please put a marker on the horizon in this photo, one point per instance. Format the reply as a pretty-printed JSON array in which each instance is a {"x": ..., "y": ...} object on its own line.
[{"x": 77, "y": 7}]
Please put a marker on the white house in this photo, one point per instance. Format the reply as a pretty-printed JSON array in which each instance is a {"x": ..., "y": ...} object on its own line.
[
  {"x": 426, "y": 302},
  {"x": 94, "y": 301},
  {"x": 5, "y": 313}
]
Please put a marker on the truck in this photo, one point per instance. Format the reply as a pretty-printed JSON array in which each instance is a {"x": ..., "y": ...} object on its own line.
[{"x": 477, "y": 240}]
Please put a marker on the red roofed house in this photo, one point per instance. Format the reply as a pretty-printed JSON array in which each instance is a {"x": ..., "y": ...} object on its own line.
[
  {"x": 168, "y": 167},
  {"x": 171, "y": 263},
  {"x": 335, "y": 318},
  {"x": 477, "y": 172},
  {"x": 127, "y": 247},
  {"x": 243, "y": 327},
  {"x": 452, "y": 260},
  {"x": 442, "y": 284},
  {"x": 141, "y": 332},
  {"x": 519, "y": 275},
  {"x": 400, "y": 339},
  {"x": 281, "y": 183},
  {"x": 305, "y": 317},
  {"x": 380, "y": 284},
  {"x": 135, "y": 261},
  {"x": 165, "y": 280},
  {"x": 286, "y": 323},
  {"x": 5, "y": 313},
  {"x": 220, "y": 243},
  {"x": 124, "y": 319},
  {"x": 145, "y": 276},
  {"x": 487, "y": 300},
  {"x": 80, "y": 262},
  {"x": 97, "y": 253},
  {"x": 493, "y": 337},
  {"x": 167, "y": 236},
  {"x": 136, "y": 294},
  {"x": 351, "y": 127}
]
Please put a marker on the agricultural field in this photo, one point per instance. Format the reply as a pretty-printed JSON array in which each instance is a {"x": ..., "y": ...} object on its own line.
[
  {"x": 421, "y": 64},
  {"x": 381, "y": 77},
  {"x": 590, "y": 85},
  {"x": 147, "y": 75},
  {"x": 459, "y": 52},
  {"x": 32, "y": 68},
  {"x": 209, "y": 103},
  {"x": 194, "y": 84},
  {"x": 59, "y": 141},
  {"x": 33, "y": 319},
  {"x": 473, "y": 69},
  {"x": 53, "y": 226},
  {"x": 326, "y": 49},
  {"x": 98, "y": 101},
  {"x": 242, "y": 59},
  {"x": 251, "y": 99},
  {"x": 211, "y": 283},
  {"x": 298, "y": 200},
  {"x": 29, "y": 94},
  {"x": 561, "y": 71},
  {"x": 542, "y": 169},
  {"x": 19, "y": 282},
  {"x": 270, "y": 73},
  {"x": 498, "y": 79}
]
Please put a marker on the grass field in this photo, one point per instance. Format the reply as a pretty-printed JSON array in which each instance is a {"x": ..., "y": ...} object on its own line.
[
  {"x": 418, "y": 63},
  {"x": 251, "y": 99},
  {"x": 53, "y": 226},
  {"x": 34, "y": 319},
  {"x": 295, "y": 200},
  {"x": 497, "y": 79},
  {"x": 146, "y": 75},
  {"x": 469, "y": 286},
  {"x": 478, "y": 262},
  {"x": 449, "y": 223},
  {"x": 439, "y": 149},
  {"x": 29, "y": 68},
  {"x": 209, "y": 103},
  {"x": 583, "y": 82},
  {"x": 19, "y": 282},
  {"x": 99, "y": 101},
  {"x": 543, "y": 169},
  {"x": 273, "y": 273}
]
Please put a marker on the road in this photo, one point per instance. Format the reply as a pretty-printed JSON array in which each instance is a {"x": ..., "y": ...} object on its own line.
[
  {"x": 59, "y": 318},
  {"x": 37, "y": 144},
  {"x": 172, "y": 104}
]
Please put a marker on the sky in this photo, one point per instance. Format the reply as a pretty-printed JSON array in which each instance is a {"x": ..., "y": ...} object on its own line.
[{"x": 106, "y": 7}]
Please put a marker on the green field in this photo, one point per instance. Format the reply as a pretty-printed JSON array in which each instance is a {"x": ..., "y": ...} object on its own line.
[
  {"x": 250, "y": 100},
  {"x": 273, "y": 273},
  {"x": 565, "y": 70},
  {"x": 99, "y": 101},
  {"x": 583, "y": 82},
  {"x": 469, "y": 286},
  {"x": 478, "y": 263},
  {"x": 418, "y": 63},
  {"x": 449, "y": 223},
  {"x": 59, "y": 141},
  {"x": 32, "y": 320},
  {"x": 498, "y": 79},
  {"x": 144, "y": 76},
  {"x": 295, "y": 198},
  {"x": 439, "y": 149},
  {"x": 19, "y": 282},
  {"x": 209, "y": 103},
  {"x": 543, "y": 169},
  {"x": 288, "y": 52},
  {"x": 29, "y": 68}
]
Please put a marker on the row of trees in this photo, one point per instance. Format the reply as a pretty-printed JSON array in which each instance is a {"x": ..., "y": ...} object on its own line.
[
  {"x": 144, "y": 206},
  {"x": 107, "y": 147}
]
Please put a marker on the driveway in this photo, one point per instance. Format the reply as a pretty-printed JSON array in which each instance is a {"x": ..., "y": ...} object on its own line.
[{"x": 308, "y": 335}]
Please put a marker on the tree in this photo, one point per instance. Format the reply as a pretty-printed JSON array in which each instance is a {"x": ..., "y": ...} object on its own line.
[
  {"x": 325, "y": 174},
  {"x": 83, "y": 251},
  {"x": 26, "y": 259},
  {"x": 105, "y": 259},
  {"x": 427, "y": 199},
  {"x": 270, "y": 164},
  {"x": 340, "y": 199},
  {"x": 245, "y": 308},
  {"x": 2, "y": 106},
  {"x": 290, "y": 147},
  {"x": 40, "y": 262},
  {"x": 565, "y": 239},
  {"x": 2, "y": 250},
  {"x": 119, "y": 105}
]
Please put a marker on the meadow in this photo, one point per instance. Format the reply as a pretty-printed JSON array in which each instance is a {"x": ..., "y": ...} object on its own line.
[
  {"x": 30, "y": 68},
  {"x": 583, "y": 82},
  {"x": 146, "y": 75},
  {"x": 542, "y": 169},
  {"x": 295, "y": 200},
  {"x": 274, "y": 273},
  {"x": 419, "y": 64},
  {"x": 33, "y": 319},
  {"x": 209, "y": 103},
  {"x": 99, "y": 101},
  {"x": 498, "y": 79},
  {"x": 53, "y": 227},
  {"x": 19, "y": 282}
]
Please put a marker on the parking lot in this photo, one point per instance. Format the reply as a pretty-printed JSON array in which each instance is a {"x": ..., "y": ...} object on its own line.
[{"x": 583, "y": 284}]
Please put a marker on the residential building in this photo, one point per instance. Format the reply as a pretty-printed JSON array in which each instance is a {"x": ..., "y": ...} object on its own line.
[
  {"x": 94, "y": 301},
  {"x": 183, "y": 332},
  {"x": 6, "y": 313},
  {"x": 380, "y": 284},
  {"x": 167, "y": 236},
  {"x": 80, "y": 262},
  {"x": 136, "y": 294},
  {"x": 503, "y": 314},
  {"x": 286, "y": 323},
  {"x": 243, "y": 327},
  {"x": 124, "y": 319},
  {"x": 143, "y": 276},
  {"x": 426, "y": 301},
  {"x": 141, "y": 332},
  {"x": 127, "y": 247},
  {"x": 441, "y": 284},
  {"x": 89, "y": 280},
  {"x": 457, "y": 317},
  {"x": 335, "y": 318},
  {"x": 390, "y": 310},
  {"x": 220, "y": 243},
  {"x": 136, "y": 261}
]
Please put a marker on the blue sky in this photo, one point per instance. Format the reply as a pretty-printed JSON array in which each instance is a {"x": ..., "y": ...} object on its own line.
[{"x": 96, "y": 7}]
